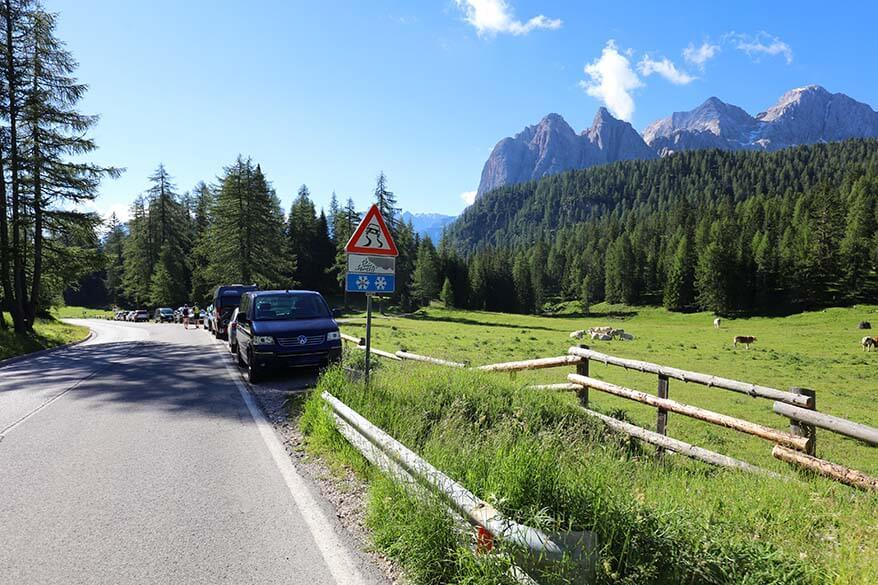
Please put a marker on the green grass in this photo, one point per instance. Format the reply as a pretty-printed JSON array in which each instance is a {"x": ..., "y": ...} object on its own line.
[
  {"x": 66, "y": 312},
  {"x": 47, "y": 333},
  {"x": 818, "y": 350},
  {"x": 541, "y": 461}
]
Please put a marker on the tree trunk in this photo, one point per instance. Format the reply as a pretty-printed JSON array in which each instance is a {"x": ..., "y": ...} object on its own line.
[
  {"x": 17, "y": 299},
  {"x": 32, "y": 306}
]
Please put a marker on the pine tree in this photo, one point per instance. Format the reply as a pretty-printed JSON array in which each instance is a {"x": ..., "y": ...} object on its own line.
[
  {"x": 856, "y": 246},
  {"x": 247, "y": 231},
  {"x": 678, "y": 286},
  {"x": 302, "y": 235},
  {"x": 43, "y": 147},
  {"x": 425, "y": 287},
  {"x": 115, "y": 260},
  {"x": 386, "y": 202},
  {"x": 203, "y": 201},
  {"x": 620, "y": 272},
  {"x": 168, "y": 283},
  {"x": 447, "y": 294},
  {"x": 585, "y": 295},
  {"x": 334, "y": 211},
  {"x": 522, "y": 284}
]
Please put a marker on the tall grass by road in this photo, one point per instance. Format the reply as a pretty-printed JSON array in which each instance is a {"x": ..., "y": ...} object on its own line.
[
  {"x": 539, "y": 460},
  {"x": 48, "y": 332}
]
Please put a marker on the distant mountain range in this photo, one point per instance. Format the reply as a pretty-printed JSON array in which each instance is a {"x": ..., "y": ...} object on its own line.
[
  {"x": 805, "y": 115},
  {"x": 428, "y": 224}
]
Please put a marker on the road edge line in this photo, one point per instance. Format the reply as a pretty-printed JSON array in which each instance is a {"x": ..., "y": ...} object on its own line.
[{"x": 339, "y": 561}]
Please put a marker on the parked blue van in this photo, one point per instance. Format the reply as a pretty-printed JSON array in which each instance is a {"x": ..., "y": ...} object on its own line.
[{"x": 283, "y": 328}]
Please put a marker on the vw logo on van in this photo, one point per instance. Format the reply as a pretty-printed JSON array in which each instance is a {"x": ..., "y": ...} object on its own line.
[{"x": 302, "y": 340}]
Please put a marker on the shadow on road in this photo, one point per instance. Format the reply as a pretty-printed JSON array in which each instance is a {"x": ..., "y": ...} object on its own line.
[{"x": 185, "y": 379}]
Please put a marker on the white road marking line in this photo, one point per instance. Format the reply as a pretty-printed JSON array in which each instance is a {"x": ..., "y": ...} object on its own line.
[{"x": 343, "y": 568}]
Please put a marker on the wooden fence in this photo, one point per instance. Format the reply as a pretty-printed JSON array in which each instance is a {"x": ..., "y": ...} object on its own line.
[{"x": 798, "y": 446}]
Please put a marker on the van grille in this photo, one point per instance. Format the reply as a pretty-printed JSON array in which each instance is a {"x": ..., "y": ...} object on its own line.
[{"x": 297, "y": 341}]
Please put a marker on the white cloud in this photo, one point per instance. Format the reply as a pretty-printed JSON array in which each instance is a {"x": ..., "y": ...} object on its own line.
[
  {"x": 698, "y": 56},
  {"x": 491, "y": 17},
  {"x": 612, "y": 80},
  {"x": 469, "y": 197},
  {"x": 761, "y": 44},
  {"x": 664, "y": 68}
]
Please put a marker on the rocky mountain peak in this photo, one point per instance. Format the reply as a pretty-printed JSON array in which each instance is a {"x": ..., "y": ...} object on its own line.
[{"x": 551, "y": 146}]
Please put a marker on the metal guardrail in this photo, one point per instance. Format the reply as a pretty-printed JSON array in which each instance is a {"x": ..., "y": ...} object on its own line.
[{"x": 383, "y": 450}]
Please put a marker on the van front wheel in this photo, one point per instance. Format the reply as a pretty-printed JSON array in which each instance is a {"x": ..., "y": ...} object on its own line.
[{"x": 254, "y": 370}]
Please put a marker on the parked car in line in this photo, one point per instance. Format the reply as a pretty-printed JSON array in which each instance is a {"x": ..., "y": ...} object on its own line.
[
  {"x": 225, "y": 299},
  {"x": 285, "y": 329},
  {"x": 231, "y": 331},
  {"x": 140, "y": 316},
  {"x": 164, "y": 315},
  {"x": 130, "y": 316},
  {"x": 120, "y": 315}
]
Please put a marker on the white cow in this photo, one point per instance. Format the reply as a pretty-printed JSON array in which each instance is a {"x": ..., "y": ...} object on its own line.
[{"x": 717, "y": 322}]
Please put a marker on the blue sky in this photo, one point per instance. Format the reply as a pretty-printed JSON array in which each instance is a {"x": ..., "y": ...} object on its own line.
[{"x": 329, "y": 93}]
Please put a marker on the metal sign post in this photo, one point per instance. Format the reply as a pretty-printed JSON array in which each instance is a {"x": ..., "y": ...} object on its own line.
[
  {"x": 371, "y": 267},
  {"x": 368, "y": 337}
]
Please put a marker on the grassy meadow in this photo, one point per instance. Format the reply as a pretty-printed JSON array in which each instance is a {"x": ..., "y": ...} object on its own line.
[
  {"x": 48, "y": 332},
  {"x": 819, "y": 350},
  {"x": 66, "y": 312}
]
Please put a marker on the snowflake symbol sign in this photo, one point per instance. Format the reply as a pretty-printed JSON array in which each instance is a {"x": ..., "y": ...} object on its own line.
[
  {"x": 363, "y": 282},
  {"x": 380, "y": 283}
]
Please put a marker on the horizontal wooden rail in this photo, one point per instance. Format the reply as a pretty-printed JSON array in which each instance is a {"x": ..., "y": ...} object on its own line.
[
  {"x": 678, "y": 446},
  {"x": 535, "y": 364},
  {"x": 705, "y": 379},
  {"x": 835, "y": 424},
  {"x": 761, "y": 431},
  {"x": 358, "y": 343},
  {"x": 840, "y": 473},
  {"x": 560, "y": 387},
  {"x": 352, "y": 339},
  {"x": 430, "y": 360}
]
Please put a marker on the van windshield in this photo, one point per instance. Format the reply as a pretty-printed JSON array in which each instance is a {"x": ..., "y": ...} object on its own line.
[
  {"x": 284, "y": 307},
  {"x": 231, "y": 299}
]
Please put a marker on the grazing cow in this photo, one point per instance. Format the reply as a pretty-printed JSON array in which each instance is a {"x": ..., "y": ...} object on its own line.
[
  {"x": 868, "y": 343},
  {"x": 717, "y": 322},
  {"x": 745, "y": 339},
  {"x": 577, "y": 334},
  {"x": 626, "y": 336}
]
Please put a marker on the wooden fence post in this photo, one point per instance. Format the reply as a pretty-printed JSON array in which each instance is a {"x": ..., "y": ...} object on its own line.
[
  {"x": 661, "y": 421},
  {"x": 582, "y": 370},
  {"x": 802, "y": 429}
]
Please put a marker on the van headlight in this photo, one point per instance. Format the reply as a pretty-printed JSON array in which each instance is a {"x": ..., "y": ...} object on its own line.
[
  {"x": 263, "y": 340},
  {"x": 333, "y": 336}
]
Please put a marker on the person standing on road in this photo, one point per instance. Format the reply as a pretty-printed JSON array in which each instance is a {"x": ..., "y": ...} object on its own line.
[
  {"x": 185, "y": 316},
  {"x": 196, "y": 314}
]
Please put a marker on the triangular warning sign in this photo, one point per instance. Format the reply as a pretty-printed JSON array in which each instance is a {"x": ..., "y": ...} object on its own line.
[{"x": 372, "y": 236}]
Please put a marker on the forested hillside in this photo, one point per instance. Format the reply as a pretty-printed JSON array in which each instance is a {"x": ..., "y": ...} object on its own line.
[{"x": 723, "y": 231}]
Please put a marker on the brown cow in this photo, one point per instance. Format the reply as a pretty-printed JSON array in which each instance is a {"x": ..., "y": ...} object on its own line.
[
  {"x": 745, "y": 339},
  {"x": 868, "y": 343}
]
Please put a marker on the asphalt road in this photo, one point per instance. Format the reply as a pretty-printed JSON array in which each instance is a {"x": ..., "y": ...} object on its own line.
[{"x": 139, "y": 457}]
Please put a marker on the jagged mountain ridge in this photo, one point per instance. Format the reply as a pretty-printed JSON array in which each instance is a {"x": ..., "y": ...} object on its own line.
[
  {"x": 552, "y": 146},
  {"x": 804, "y": 115}
]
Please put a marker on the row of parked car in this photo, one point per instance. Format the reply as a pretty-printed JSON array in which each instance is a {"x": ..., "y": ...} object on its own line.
[
  {"x": 271, "y": 329},
  {"x": 138, "y": 316},
  {"x": 161, "y": 315}
]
